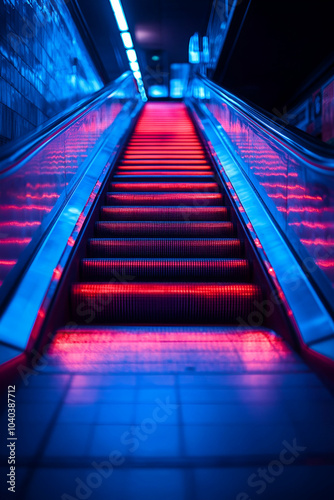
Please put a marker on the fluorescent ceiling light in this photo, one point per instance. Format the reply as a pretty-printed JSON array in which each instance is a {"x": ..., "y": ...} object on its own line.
[
  {"x": 128, "y": 44},
  {"x": 132, "y": 56},
  {"x": 127, "y": 40},
  {"x": 119, "y": 14},
  {"x": 134, "y": 66}
]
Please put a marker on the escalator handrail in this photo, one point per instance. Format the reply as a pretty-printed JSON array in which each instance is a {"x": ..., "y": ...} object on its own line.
[
  {"x": 17, "y": 151},
  {"x": 316, "y": 155}
]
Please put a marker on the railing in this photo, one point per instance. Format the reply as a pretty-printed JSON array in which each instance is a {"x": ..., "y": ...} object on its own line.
[
  {"x": 292, "y": 173},
  {"x": 38, "y": 174}
]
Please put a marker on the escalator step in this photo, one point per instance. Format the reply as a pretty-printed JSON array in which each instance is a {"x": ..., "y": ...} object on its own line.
[
  {"x": 205, "y": 187},
  {"x": 164, "y": 229},
  {"x": 169, "y": 168},
  {"x": 169, "y": 177},
  {"x": 163, "y": 149},
  {"x": 236, "y": 270},
  {"x": 179, "y": 162},
  {"x": 175, "y": 199},
  {"x": 164, "y": 302},
  {"x": 164, "y": 156},
  {"x": 165, "y": 247},
  {"x": 165, "y": 174},
  {"x": 166, "y": 142},
  {"x": 183, "y": 213},
  {"x": 92, "y": 338}
]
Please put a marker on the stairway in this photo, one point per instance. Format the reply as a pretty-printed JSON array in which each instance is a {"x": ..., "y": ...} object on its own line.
[{"x": 165, "y": 250}]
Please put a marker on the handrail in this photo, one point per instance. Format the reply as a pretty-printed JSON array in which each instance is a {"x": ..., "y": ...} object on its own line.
[
  {"x": 17, "y": 151},
  {"x": 317, "y": 155}
]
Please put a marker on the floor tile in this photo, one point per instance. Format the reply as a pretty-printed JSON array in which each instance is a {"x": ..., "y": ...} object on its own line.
[{"x": 68, "y": 440}]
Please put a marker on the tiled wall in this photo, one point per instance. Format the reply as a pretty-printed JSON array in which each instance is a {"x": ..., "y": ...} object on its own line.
[{"x": 44, "y": 64}]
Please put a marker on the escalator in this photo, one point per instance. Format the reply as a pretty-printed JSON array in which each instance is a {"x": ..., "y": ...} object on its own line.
[
  {"x": 159, "y": 375},
  {"x": 166, "y": 226}
]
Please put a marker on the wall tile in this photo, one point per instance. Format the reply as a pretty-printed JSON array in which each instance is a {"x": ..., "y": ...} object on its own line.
[{"x": 44, "y": 64}]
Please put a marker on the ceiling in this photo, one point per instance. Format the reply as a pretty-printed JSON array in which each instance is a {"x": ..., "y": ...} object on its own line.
[
  {"x": 281, "y": 44},
  {"x": 159, "y": 28}
]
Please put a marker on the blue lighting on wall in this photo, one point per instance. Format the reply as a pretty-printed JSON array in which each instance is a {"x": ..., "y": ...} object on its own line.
[
  {"x": 176, "y": 89},
  {"x": 194, "y": 57},
  {"x": 179, "y": 76},
  {"x": 128, "y": 45}
]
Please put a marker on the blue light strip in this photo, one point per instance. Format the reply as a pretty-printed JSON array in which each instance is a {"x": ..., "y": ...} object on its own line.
[
  {"x": 128, "y": 45},
  {"x": 127, "y": 40},
  {"x": 119, "y": 15}
]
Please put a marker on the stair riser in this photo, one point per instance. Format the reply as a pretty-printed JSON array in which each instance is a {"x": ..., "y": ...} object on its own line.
[
  {"x": 164, "y": 247},
  {"x": 165, "y": 270},
  {"x": 164, "y": 229},
  {"x": 204, "y": 187},
  {"x": 161, "y": 304},
  {"x": 164, "y": 214},
  {"x": 165, "y": 199}
]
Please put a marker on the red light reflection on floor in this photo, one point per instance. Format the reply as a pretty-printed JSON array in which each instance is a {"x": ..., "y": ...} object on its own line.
[{"x": 167, "y": 349}]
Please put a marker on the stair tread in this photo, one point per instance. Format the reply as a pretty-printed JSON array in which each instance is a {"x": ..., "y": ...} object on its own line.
[
  {"x": 171, "y": 269},
  {"x": 165, "y": 213},
  {"x": 154, "y": 197},
  {"x": 164, "y": 247},
  {"x": 167, "y": 228}
]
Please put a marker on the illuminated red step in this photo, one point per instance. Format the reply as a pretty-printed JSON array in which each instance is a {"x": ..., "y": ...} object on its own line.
[
  {"x": 160, "y": 145},
  {"x": 165, "y": 269},
  {"x": 180, "y": 143},
  {"x": 206, "y": 187},
  {"x": 139, "y": 141},
  {"x": 153, "y": 198},
  {"x": 164, "y": 302},
  {"x": 164, "y": 229},
  {"x": 164, "y": 156},
  {"x": 167, "y": 177},
  {"x": 155, "y": 133},
  {"x": 165, "y": 247},
  {"x": 166, "y": 129},
  {"x": 160, "y": 149},
  {"x": 175, "y": 173},
  {"x": 172, "y": 161},
  {"x": 164, "y": 138},
  {"x": 134, "y": 168},
  {"x": 182, "y": 213}
]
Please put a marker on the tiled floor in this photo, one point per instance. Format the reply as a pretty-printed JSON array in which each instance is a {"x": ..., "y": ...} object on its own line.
[{"x": 173, "y": 417}]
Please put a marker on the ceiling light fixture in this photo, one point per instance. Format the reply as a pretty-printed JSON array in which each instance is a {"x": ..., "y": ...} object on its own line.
[
  {"x": 128, "y": 44},
  {"x": 127, "y": 40},
  {"x": 134, "y": 66},
  {"x": 119, "y": 15},
  {"x": 132, "y": 56}
]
